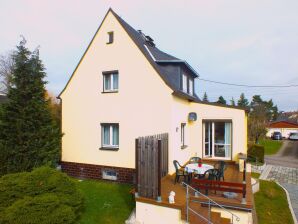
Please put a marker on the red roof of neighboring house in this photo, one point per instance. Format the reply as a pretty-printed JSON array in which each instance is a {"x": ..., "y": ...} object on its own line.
[{"x": 283, "y": 124}]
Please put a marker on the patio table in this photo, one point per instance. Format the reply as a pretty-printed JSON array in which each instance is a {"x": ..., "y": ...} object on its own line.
[{"x": 193, "y": 167}]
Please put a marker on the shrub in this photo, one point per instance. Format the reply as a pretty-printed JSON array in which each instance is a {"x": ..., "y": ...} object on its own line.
[
  {"x": 256, "y": 153},
  {"x": 45, "y": 209},
  {"x": 16, "y": 190}
]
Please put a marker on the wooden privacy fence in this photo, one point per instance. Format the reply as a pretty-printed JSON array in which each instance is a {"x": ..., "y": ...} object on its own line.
[{"x": 151, "y": 164}]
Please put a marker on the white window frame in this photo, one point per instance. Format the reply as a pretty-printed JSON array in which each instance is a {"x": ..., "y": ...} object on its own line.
[
  {"x": 184, "y": 83},
  {"x": 111, "y": 126},
  {"x": 183, "y": 136},
  {"x": 112, "y": 89},
  {"x": 212, "y": 156}
]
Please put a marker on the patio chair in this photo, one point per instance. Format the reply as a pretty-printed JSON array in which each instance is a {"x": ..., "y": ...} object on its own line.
[
  {"x": 211, "y": 174},
  {"x": 194, "y": 160},
  {"x": 180, "y": 172},
  {"x": 221, "y": 166}
]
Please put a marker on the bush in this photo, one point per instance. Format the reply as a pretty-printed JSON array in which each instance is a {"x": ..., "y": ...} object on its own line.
[
  {"x": 45, "y": 209},
  {"x": 256, "y": 153},
  {"x": 46, "y": 189}
]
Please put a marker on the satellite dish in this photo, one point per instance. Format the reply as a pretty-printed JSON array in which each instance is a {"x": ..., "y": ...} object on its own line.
[{"x": 192, "y": 116}]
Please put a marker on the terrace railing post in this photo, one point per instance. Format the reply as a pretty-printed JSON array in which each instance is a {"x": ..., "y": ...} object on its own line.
[
  {"x": 209, "y": 211},
  {"x": 244, "y": 184},
  {"x": 187, "y": 197},
  {"x": 137, "y": 167},
  {"x": 159, "y": 169}
]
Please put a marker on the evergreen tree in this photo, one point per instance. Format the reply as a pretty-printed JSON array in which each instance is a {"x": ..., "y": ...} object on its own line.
[
  {"x": 233, "y": 102},
  {"x": 242, "y": 102},
  {"x": 29, "y": 136},
  {"x": 221, "y": 100},
  {"x": 205, "y": 97}
]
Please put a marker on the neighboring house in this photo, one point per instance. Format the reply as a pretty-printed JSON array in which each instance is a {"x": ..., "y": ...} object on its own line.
[
  {"x": 284, "y": 127},
  {"x": 125, "y": 87}
]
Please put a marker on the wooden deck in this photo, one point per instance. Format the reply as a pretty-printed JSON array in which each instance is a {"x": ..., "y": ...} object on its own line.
[{"x": 232, "y": 174}]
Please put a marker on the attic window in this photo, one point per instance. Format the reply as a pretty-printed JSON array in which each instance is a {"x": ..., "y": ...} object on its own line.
[{"x": 110, "y": 37}]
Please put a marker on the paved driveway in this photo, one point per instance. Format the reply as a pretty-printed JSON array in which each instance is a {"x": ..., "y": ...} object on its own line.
[{"x": 287, "y": 155}]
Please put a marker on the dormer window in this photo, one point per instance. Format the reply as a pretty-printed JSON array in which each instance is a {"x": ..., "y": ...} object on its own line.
[
  {"x": 110, "y": 37},
  {"x": 187, "y": 84},
  {"x": 110, "y": 81}
]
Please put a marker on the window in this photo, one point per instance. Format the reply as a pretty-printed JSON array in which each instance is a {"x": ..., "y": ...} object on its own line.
[
  {"x": 190, "y": 86},
  {"x": 110, "y": 37},
  {"x": 217, "y": 139},
  {"x": 184, "y": 83},
  {"x": 183, "y": 136},
  {"x": 110, "y": 81},
  {"x": 110, "y": 136},
  {"x": 109, "y": 175}
]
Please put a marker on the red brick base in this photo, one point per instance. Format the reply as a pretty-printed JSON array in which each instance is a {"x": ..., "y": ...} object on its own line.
[{"x": 89, "y": 171}]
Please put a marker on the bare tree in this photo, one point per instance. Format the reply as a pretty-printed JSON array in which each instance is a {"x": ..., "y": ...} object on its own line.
[
  {"x": 6, "y": 66},
  {"x": 257, "y": 121}
]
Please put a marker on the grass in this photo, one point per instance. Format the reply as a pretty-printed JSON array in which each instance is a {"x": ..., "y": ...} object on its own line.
[
  {"x": 255, "y": 175},
  {"x": 272, "y": 205},
  {"x": 271, "y": 146},
  {"x": 105, "y": 202}
]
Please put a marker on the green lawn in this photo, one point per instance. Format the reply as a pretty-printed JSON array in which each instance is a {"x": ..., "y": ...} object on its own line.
[
  {"x": 255, "y": 175},
  {"x": 272, "y": 205},
  {"x": 271, "y": 146},
  {"x": 105, "y": 202}
]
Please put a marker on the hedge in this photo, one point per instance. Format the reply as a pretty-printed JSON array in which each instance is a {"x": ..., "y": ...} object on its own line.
[
  {"x": 41, "y": 209},
  {"x": 256, "y": 153},
  {"x": 44, "y": 192}
]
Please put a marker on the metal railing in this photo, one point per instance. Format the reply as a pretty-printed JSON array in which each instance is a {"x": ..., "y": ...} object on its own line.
[{"x": 210, "y": 203}]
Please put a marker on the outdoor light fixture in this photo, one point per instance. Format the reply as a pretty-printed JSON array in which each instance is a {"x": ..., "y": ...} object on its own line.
[{"x": 192, "y": 116}]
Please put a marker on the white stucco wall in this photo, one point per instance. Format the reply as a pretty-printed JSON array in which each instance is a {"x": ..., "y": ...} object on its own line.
[
  {"x": 194, "y": 129},
  {"x": 149, "y": 214},
  {"x": 141, "y": 107},
  {"x": 285, "y": 132}
]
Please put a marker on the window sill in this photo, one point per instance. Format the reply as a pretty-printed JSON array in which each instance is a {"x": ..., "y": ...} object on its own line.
[
  {"x": 113, "y": 91},
  {"x": 109, "y": 148},
  {"x": 183, "y": 146}
]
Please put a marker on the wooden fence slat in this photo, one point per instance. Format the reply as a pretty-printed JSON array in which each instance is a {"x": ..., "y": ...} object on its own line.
[{"x": 151, "y": 164}]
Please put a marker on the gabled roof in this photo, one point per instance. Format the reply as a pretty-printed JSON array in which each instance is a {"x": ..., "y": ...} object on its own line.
[
  {"x": 160, "y": 61},
  {"x": 283, "y": 124},
  {"x": 156, "y": 57}
]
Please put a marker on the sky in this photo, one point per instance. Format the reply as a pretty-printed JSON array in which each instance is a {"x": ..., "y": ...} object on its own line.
[{"x": 244, "y": 42}]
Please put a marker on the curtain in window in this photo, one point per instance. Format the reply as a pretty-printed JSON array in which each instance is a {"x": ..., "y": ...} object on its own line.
[
  {"x": 106, "y": 135},
  {"x": 184, "y": 83},
  {"x": 115, "y": 81},
  {"x": 227, "y": 139},
  {"x": 190, "y": 87},
  {"x": 115, "y": 135},
  {"x": 107, "y": 79}
]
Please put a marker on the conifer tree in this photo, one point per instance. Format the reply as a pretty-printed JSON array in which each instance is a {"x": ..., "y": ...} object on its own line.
[
  {"x": 221, "y": 100},
  {"x": 29, "y": 136},
  {"x": 205, "y": 97},
  {"x": 242, "y": 102}
]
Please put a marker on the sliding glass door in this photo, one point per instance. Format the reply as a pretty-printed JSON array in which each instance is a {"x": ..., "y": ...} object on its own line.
[{"x": 217, "y": 137}]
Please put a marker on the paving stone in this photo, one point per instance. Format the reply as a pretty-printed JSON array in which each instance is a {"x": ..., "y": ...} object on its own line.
[{"x": 288, "y": 178}]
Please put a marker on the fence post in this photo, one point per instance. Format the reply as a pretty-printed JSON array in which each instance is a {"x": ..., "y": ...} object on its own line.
[
  {"x": 159, "y": 169},
  {"x": 137, "y": 167}
]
